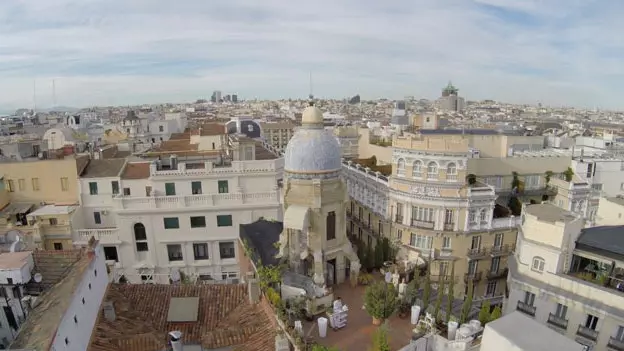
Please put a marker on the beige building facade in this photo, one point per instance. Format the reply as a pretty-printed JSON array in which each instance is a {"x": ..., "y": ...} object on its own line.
[{"x": 277, "y": 134}]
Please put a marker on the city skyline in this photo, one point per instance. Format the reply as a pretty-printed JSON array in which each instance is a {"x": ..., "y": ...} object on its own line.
[{"x": 120, "y": 53}]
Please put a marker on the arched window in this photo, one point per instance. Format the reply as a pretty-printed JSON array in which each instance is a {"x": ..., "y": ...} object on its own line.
[
  {"x": 140, "y": 237},
  {"x": 401, "y": 167},
  {"x": 330, "y": 226},
  {"x": 432, "y": 170},
  {"x": 451, "y": 172},
  {"x": 483, "y": 216},
  {"x": 417, "y": 169},
  {"x": 538, "y": 264}
]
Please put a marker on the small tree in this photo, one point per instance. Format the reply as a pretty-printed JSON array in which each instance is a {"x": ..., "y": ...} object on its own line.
[
  {"x": 496, "y": 314},
  {"x": 438, "y": 304},
  {"x": 426, "y": 290},
  {"x": 465, "y": 311},
  {"x": 378, "y": 254},
  {"x": 451, "y": 293},
  {"x": 369, "y": 258},
  {"x": 548, "y": 176},
  {"x": 380, "y": 339},
  {"x": 484, "y": 314},
  {"x": 515, "y": 206},
  {"x": 411, "y": 292},
  {"x": 270, "y": 276},
  {"x": 568, "y": 174},
  {"x": 471, "y": 179},
  {"x": 380, "y": 300},
  {"x": 515, "y": 180}
]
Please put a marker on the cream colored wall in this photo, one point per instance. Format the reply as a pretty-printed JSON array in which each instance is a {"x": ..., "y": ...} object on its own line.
[
  {"x": 49, "y": 173},
  {"x": 4, "y": 197},
  {"x": 610, "y": 212},
  {"x": 367, "y": 150},
  {"x": 488, "y": 167},
  {"x": 205, "y": 142}
]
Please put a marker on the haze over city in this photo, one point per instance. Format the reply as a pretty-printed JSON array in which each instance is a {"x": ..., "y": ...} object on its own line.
[{"x": 120, "y": 52}]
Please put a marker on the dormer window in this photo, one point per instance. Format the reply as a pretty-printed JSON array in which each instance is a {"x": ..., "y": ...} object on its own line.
[{"x": 538, "y": 264}]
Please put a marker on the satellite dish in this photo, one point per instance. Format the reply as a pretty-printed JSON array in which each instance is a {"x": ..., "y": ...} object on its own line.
[
  {"x": 175, "y": 276},
  {"x": 38, "y": 277}
]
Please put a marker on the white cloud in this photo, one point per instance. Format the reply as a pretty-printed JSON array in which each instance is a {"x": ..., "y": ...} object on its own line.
[{"x": 126, "y": 52}]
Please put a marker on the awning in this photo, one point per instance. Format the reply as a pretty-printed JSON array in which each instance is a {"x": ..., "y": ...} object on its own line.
[{"x": 296, "y": 217}]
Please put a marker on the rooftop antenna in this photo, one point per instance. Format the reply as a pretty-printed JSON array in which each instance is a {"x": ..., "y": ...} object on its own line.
[
  {"x": 311, "y": 96},
  {"x": 34, "y": 95},
  {"x": 54, "y": 93}
]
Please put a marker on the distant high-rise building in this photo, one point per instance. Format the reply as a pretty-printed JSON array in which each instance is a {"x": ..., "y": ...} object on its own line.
[
  {"x": 450, "y": 100},
  {"x": 216, "y": 96},
  {"x": 234, "y": 98},
  {"x": 226, "y": 98}
]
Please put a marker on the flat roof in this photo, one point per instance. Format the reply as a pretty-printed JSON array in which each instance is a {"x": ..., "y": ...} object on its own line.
[
  {"x": 183, "y": 309},
  {"x": 14, "y": 260},
  {"x": 549, "y": 213},
  {"x": 49, "y": 210},
  {"x": 515, "y": 327}
]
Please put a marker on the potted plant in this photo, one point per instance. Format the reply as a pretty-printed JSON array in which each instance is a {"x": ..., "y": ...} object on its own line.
[
  {"x": 404, "y": 309},
  {"x": 568, "y": 174},
  {"x": 380, "y": 301},
  {"x": 365, "y": 278}
]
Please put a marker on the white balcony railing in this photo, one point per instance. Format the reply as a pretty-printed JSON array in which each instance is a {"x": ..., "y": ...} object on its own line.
[
  {"x": 508, "y": 222},
  {"x": 235, "y": 167},
  {"x": 201, "y": 200},
  {"x": 102, "y": 234}
]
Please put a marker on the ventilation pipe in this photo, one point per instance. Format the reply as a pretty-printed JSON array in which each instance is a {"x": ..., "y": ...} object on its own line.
[{"x": 175, "y": 340}]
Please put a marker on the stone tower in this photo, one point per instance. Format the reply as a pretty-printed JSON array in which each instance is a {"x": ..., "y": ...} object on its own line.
[{"x": 314, "y": 239}]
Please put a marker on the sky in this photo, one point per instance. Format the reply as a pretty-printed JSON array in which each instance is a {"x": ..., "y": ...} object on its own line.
[{"x": 121, "y": 52}]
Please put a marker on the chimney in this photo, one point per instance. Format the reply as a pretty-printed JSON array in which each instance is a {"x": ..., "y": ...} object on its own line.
[
  {"x": 175, "y": 340},
  {"x": 253, "y": 288},
  {"x": 109, "y": 311}
]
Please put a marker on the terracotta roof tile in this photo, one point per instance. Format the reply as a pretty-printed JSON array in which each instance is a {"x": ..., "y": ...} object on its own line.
[
  {"x": 138, "y": 170},
  {"x": 208, "y": 129},
  {"x": 225, "y": 318}
]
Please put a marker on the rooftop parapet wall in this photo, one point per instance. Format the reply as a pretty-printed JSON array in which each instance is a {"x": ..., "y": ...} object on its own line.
[{"x": 437, "y": 143}]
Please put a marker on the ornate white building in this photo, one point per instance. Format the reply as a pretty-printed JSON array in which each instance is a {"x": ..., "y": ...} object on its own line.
[{"x": 315, "y": 201}]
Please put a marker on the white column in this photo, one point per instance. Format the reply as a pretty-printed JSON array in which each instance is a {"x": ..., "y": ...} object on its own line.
[{"x": 456, "y": 219}]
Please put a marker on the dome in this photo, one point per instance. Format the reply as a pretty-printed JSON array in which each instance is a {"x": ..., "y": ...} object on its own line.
[
  {"x": 312, "y": 115},
  {"x": 313, "y": 151}
]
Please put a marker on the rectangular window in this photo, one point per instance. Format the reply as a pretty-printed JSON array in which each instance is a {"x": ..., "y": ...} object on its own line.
[
  {"x": 126, "y": 191},
  {"x": 198, "y": 222},
  {"x": 360, "y": 213},
  {"x": 174, "y": 252},
  {"x": 226, "y": 250},
  {"x": 21, "y": 183},
  {"x": 495, "y": 264},
  {"x": 498, "y": 240},
  {"x": 591, "y": 322},
  {"x": 10, "y": 185},
  {"x": 93, "y": 189},
  {"x": 58, "y": 246},
  {"x": 562, "y": 311},
  {"x": 446, "y": 242},
  {"x": 449, "y": 216},
  {"x": 476, "y": 242},
  {"x": 171, "y": 223},
  {"x": 490, "y": 290},
  {"x": 380, "y": 228},
  {"x": 619, "y": 336},
  {"x": 399, "y": 235},
  {"x": 330, "y": 226},
  {"x": 422, "y": 214},
  {"x": 443, "y": 270},
  {"x": 224, "y": 221},
  {"x": 529, "y": 298},
  {"x": 223, "y": 187},
  {"x": 53, "y": 221},
  {"x": 64, "y": 184},
  {"x": 141, "y": 246},
  {"x": 115, "y": 187},
  {"x": 170, "y": 189},
  {"x": 196, "y": 188},
  {"x": 472, "y": 267},
  {"x": 421, "y": 241},
  {"x": 200, "y": 251},
  {"x": 97, "y": 218},
  {"x": 35, "y": 184}
]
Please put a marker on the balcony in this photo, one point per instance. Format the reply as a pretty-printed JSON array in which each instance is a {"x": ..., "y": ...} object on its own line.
[
  {"x": 449, "y": 226},
  {"x": 201, "y": 200},
  {"x": 506, "y": 222},
  {"x": 105, "y": 235},
  {"x": 502, "y": 250},
  {"x": 616, "y": 344},
  {"x": 557, "y": 321},
  {"x": 526, "y": 308},
  {"x": 445, "y": 278},
  {"x": 475, "y": 277},
  {"x": 422, "y": 224},
  {"x": 497, "y": 274},
  {"x": 398, "y": 219},
  {"x": 587, "y": 333},
  {"x": 476, "y": 254},
  {"x": 212, "y": 169}
]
